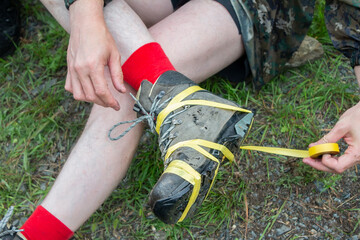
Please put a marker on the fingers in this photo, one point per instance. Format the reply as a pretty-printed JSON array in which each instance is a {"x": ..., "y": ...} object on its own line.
[
  {"x": 77, "y": 89},
  {"x": 88, "y": 92},
  {"x": 317, "y": 164},
  {"x": 338, "y": 132},
  {"x": 346, "y": 128},
  {"x": 339, "y": 165},
  {"x": 102, "y": 90},
  {"x": 116, "y": 72},
  {"x": 90, "y": 86},
  {"x": 68, "y": 86},
  {"x": 89, "y": 52},
  {"x": 333, "y": 164}
]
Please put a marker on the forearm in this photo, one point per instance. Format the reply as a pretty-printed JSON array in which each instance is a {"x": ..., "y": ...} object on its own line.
[{"x": 357, "y": 73}]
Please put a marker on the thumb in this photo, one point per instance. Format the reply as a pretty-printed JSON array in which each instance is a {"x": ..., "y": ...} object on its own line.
[{"x": 338, "y": 131}]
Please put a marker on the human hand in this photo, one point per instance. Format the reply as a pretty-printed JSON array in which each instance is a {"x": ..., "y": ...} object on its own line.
[
  {"x": 348, "y": 128},
  {"x": 92, "y": 48}
]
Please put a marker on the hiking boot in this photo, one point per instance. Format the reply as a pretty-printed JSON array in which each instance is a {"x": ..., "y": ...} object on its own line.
[
  {"x": 13, "y": 236},
  {"x": 195, "y": 127},
  {"x": 8, "y": 232},
  {"x": 9, "y": 26}
]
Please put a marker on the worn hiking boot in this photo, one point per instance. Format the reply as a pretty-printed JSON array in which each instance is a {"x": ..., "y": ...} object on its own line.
[
  {"x": 8, "y": 232},
  {"x": 13, "y": 236},
  {"x": 194, "y": 128}
]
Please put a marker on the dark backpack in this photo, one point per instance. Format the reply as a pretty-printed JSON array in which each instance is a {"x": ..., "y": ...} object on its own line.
[{"x": 9, "y": 26}]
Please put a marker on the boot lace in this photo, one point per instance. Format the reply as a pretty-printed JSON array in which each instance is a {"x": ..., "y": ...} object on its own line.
[
  {"x": 4, "y": 221},
  {"x": 167, "y": 137}
]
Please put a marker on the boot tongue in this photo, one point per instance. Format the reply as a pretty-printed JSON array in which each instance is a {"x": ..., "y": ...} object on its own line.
[
  {"x": 170, "y": 83},
  {"x": 143, "y": 94}
]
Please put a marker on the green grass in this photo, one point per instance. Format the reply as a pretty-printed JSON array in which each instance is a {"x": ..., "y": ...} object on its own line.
[
  {"x": 318, "y": 29},
  {"x": 294, "y": 110}
]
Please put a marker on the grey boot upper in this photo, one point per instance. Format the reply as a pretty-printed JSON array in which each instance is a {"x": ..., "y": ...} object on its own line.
[{"x": 196, "y": 122}]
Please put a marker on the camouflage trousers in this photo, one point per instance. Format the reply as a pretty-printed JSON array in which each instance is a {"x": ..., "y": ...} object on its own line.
[
  {"x": 343, "y": 23},
  {"x": 273, "y": 30}
]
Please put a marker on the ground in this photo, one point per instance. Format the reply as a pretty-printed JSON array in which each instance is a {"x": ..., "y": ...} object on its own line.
[{"x": 258, "y": 196}]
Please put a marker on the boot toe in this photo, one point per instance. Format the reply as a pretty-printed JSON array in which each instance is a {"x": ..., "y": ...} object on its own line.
[{"x": 169, "y": 197}]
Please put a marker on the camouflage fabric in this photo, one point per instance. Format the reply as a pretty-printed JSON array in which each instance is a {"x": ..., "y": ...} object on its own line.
[
  {"x": 273, "y": 30},
  {"x": 354, "y": 3},
  {"x": 342, "y": 20}
]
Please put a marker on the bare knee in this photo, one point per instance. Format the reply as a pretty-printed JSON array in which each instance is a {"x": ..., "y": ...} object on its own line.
[{"x": 151, "y": 12}]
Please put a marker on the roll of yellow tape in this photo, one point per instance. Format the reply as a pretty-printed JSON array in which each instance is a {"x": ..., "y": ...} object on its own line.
[
  {"x": 313, "y": 152},
  {"x": 321, "y": 149}
]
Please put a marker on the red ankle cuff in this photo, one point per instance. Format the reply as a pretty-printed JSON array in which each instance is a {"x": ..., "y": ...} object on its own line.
[
  {"x": 42, "y": 225},
  {"x": 148, "y": 62}
]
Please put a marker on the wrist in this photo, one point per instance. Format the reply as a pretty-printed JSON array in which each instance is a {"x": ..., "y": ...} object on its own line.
[
  {"x": 87, "y": 13},
  {"x": 69, "y": 3},
  {"x": 86, "y": 8}
]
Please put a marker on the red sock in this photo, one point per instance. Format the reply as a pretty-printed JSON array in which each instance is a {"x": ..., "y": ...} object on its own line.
[
  {"x": 42, "y": 225},
  {"x": 148, "y": 62}
]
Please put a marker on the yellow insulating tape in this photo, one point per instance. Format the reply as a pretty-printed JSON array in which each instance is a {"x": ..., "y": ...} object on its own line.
[
  {"x": 195, "y": 143},
  {"x": 313, "y": 152},
  {"x": 321, "y": 149},
  {"x": 185, "y": 171},
  {"x": 179, "y": 97},
  {"x": 176, "y": 103}
]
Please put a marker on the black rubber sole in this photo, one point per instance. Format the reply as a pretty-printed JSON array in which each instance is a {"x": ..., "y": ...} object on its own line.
[{"x": 171, "y": 194}]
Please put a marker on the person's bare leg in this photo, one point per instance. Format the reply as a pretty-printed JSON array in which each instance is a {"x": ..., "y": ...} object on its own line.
[
  {"x": 151, "y": 12},
  {"x": 191, "y": 39},
  {"x": 200, "y": 39},
  {"x": 96, "y": 164}
]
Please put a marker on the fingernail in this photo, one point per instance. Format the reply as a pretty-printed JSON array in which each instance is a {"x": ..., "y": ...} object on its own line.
[{"x": 122, "y": 88}]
